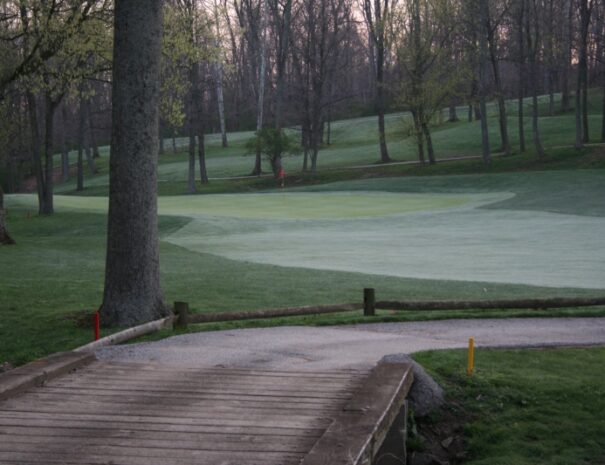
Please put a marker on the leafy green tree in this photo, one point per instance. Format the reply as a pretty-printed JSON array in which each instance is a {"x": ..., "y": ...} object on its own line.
[
  {"x": 426, "y": 28},
  {"x": 273, "y": 144}
]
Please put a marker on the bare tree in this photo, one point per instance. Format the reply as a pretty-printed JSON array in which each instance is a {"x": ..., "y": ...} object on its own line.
[
  {"x": 281, "y": 15},
  {"x": 428, "y": 29},
  {"x": 492, "y": 40},
  {"x": 483, "y": 34},
  {"x": 218, "y": 75},
  {"x": 520, "y": 25},
  {"x": 533, "y": 40},
  {"x": 322, "y": 27},
  {"x": 582, "y": 133},
  {"x": 566, "y": 42},
  {"x": 377, "y": 16}
]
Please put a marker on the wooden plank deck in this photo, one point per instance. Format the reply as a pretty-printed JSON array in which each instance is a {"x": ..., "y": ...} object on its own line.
[{"x": 146, "y": 414}]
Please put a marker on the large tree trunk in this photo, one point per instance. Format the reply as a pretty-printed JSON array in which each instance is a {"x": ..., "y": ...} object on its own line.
[
  {"x": 64, "y": 148},
  {"x": 585, "y": 13},
  {"x": 80, "y": 162},
  {"x": 191, "y": 148},
  {"x": 201, "y": 154},
  {"x": 419, "y": 136},
  {"x": 92, "y": 135},
  {"x": 5, "y": 238},
  {"x": 603, "y": 116},
  {"x": 47, "y": 207},
  {"x": 262, "y": 52},
  {"x": 533, "y": 41},
  {"x": 198, "y": 111},
  {"x": 132, "y": 278},
  {"x": 36, "y": 148},
  {"x": 503, "y": 120},
  {"x": 429, "y": 143},
  {"x": 453, "y": 115},
  {"x": 282, "y": 55},
  {"x": 161, "y": 135},
  {"x": 384, "y": 152},
  {"x": 221, "y": 103},
  {"x": 85, "y": 134},
  {"x": 521, "y": 89},
  {"x": 483, "y": 52},
  {"x": 376, "y": 15},
  {"x": 191, "y": 167},
  {"x": 578, "y": 112},
  {"x": 567, "y": 44}
]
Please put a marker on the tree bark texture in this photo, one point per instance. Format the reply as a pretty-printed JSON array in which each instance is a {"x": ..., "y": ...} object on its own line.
[
  {"x": 483, "y": 52},
  {"x": 84, "y": 129},
  {"x": 198, "y": 121},
  {"x": 132, "y": 277},
  {"x": 64, "y": 148},
  {"x": 92, "y": 136},
  {"x": 283, "y": 44},
  {"x": 80, "y": 161},
  {"x": 503, "y": 120},
  {"x": 376, "y": 15},
  {"x": 567, "y": 44},
  {"x": 258, "y": 45},
  {"x": 533, "y": 42},
  {"x": 521, "y": 90},
  {"x": 582, "y": 87},
  {"x": 47, "y": 207},
  {"x": 221, "y": 103},
  {"x": 36, "y": 149},
  {"x": 5, "y": 238}
]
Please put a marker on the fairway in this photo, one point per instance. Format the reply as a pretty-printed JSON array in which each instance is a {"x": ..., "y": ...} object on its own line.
[
  {"x": 466, "y": 244},
  {"x": 327, "y": 205},
  {"x": 458, "y": 237}
]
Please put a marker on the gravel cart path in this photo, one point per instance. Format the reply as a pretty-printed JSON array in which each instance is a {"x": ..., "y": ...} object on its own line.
[{"x": 358, "y": 346}]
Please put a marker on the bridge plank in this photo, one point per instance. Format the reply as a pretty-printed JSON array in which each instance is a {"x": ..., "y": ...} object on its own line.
[{"x": 150, "y": 414}]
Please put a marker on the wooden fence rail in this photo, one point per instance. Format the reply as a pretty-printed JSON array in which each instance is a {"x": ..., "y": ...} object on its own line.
[
  {"x": 369, "y": 305},
  {"x": 273, "y": 313},
  {"x": 531, "y": 304}
]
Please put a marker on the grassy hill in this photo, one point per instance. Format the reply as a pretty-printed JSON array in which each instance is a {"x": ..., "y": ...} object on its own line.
[{"x": 241, "y": 253}]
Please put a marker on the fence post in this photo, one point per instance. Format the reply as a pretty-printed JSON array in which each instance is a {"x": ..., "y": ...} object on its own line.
[
  {"x": 369, "y": 300},
  {"x": 181, "y": 309}
]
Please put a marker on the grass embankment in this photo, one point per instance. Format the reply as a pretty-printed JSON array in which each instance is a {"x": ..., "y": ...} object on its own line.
[
  {"x": 354, "y": 143},
  {"x": 525, "y": 407}
]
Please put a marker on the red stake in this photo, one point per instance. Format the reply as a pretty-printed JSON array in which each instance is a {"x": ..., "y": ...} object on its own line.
[{"x": 97, "y": 323}]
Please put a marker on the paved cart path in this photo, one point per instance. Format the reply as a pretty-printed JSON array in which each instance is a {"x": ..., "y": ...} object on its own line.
[{"x": 359, "y": 346}]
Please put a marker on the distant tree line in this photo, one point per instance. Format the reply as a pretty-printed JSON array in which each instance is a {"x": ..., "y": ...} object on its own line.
[{"x": 231, "y": 65}]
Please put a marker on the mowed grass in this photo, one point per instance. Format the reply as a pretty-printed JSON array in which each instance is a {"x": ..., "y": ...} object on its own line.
[
  {"x": 526, "y": 407},
  {"x": 354, "y": 143},
  {"x": 55, "y": 274}
]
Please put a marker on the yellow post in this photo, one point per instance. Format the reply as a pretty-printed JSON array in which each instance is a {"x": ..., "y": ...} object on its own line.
[{"x": 471, "y": 356}]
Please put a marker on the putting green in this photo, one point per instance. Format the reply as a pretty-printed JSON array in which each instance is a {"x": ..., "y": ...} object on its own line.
[
  {"x": 284, "y": 205},
  {"x": 427, "y": 236}
]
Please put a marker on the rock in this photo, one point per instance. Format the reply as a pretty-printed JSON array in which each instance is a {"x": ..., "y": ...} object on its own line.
[{"x": 425, "y": 395}]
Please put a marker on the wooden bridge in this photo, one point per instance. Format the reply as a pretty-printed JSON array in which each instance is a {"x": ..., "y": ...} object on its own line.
[{"x": 72, "y": 409}]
